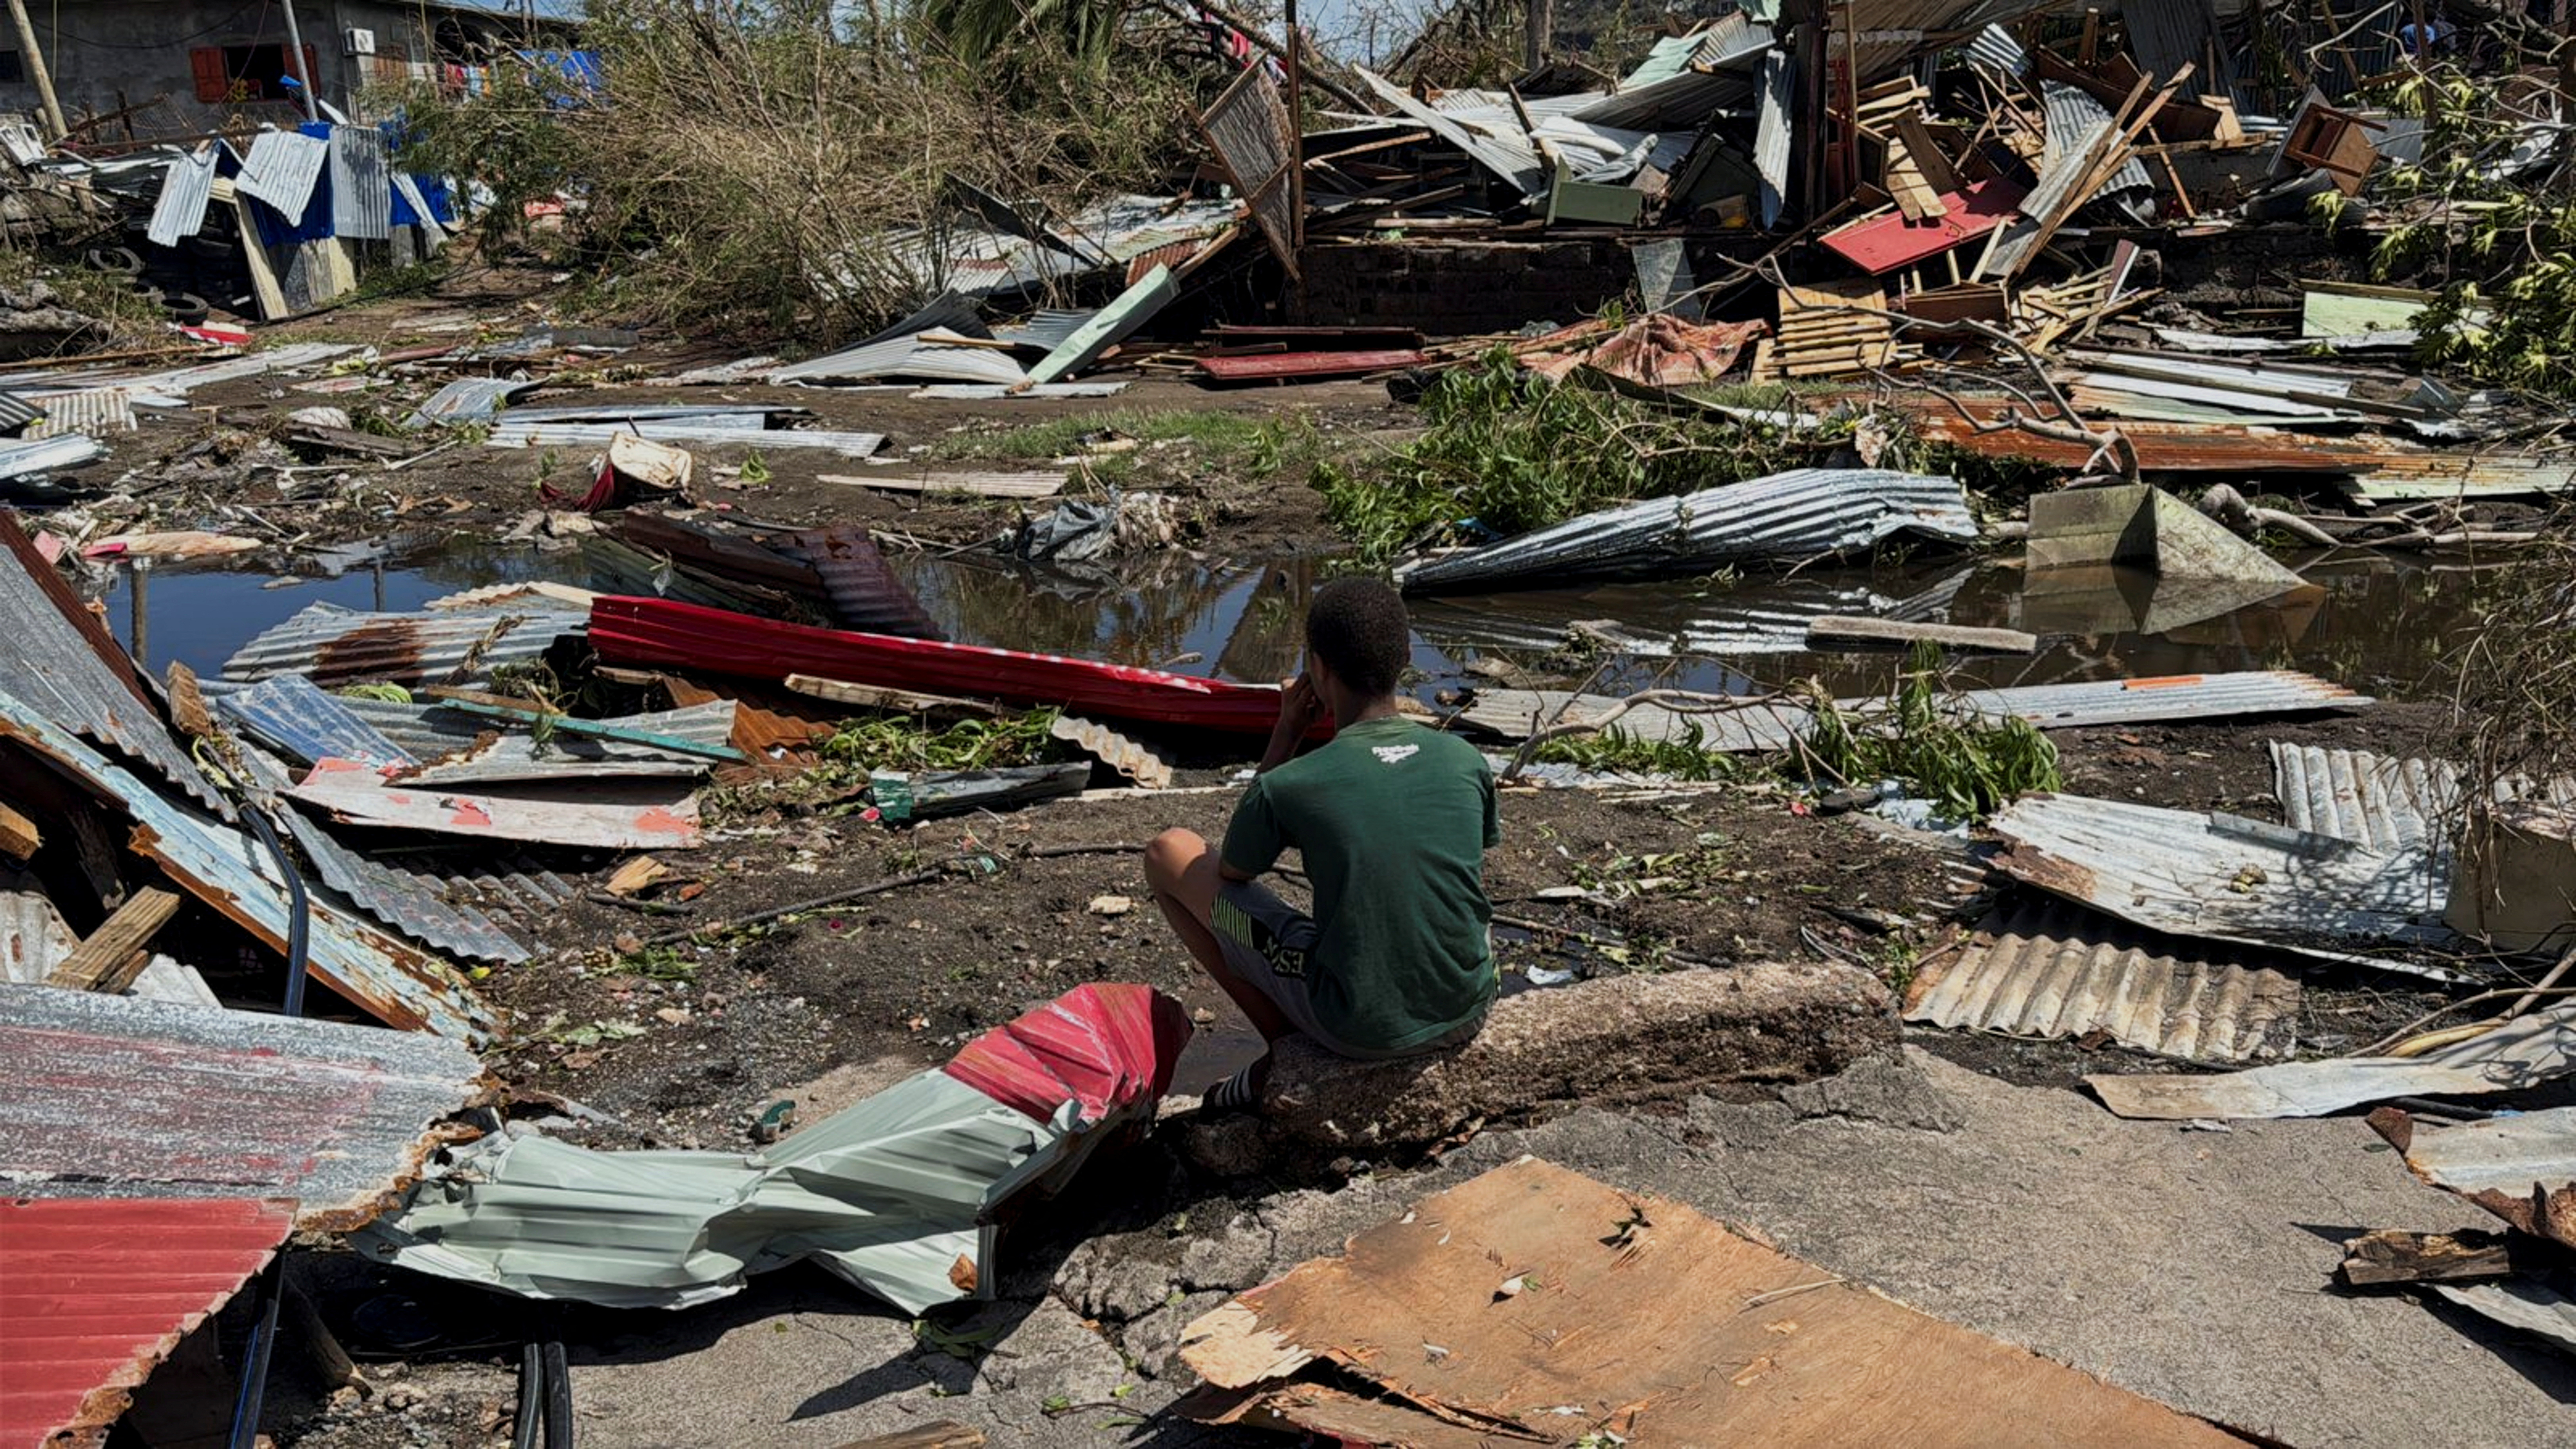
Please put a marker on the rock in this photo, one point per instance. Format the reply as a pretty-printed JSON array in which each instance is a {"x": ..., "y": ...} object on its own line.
[
  {"x": 1228, "y": 1261},
  {"x": 1888, "y": 1090},
  {"x": 1110, "y": 1280},
  {"x": 1610, "y": 1042},
  {"x": 1153, "y": 1342},
  {"x": 1051, "y": 1352}
]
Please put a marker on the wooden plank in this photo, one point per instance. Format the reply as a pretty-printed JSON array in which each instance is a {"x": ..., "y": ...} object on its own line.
[
  {"x": 114, "y": 953},
  {"x": 1540, "y": 1287},
  {"x": 881, "y": 696},
  {"x": 1842, "y": 631},
  {"x": 944, "y": 1434},
  {"x": 2394, "y": 1256},
  {"x": 19, "y": 836},
  {"x": 980, "y": 485},
  {"x": 266, "y": 290}
]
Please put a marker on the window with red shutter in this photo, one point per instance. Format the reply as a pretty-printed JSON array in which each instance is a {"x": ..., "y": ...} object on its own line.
[{"x": 214, "y": 85}]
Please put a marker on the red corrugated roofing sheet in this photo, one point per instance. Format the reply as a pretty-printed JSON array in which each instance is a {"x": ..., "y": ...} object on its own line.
[
  {"x": 1891, "y": 241},
  {"x": 94, "y": 1294},
  {"x": 1105, "y": 1045},
  {"x": 660, "y": 632},
  {"x": 1265, "y": 366}
]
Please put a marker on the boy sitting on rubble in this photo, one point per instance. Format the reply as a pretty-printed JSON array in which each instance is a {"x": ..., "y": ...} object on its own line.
[{"x": 1392, "y": 820}]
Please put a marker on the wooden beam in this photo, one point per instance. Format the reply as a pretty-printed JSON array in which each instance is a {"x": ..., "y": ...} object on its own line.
[
  {"x": 114, "y": 953},
  {"x": 2393, "y": 1256},
  {"x": 18, "y": 835},
  {"x": 880, "y": 696}
]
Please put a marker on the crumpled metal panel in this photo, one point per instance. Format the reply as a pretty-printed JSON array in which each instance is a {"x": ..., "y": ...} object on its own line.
[
  {"x": 1512, "y": 160},
  {"x": 362, "y": 196},
  {"x": 111, "y": 1097},
  {"x": 2052, "y": 971},
  {"x": 2074, "y": 119},
  {"x": 1996, "y": 49},
  {"x": 2529, "y": 1050},
  {"x": 18, "y": 413},
  {"x": 907, "y": 357},
  {"x": 895, "y": 1194},
  {"x": 2223, "y": 878},
  {"x": 397, "y": 983},
  {"x": 2524, "y": 1303},
  {"x": 292, "y": 713},
  {"x": 43, "y": 455},
  {"x": 65, "y": 665},
  {"x": 2521, "y": 1166},
  {"x": 468, "y": 399},
  {"x": 1775, "y": 132},
  {"x": 1789, "y": 517},
  {"x": 92, "y": 410},
  {"x": 332, "y": 645},
  {"x": 751, "y": 417},
  {"x": 178, "y": 382},
  {"x": 509, "y": 434},
  {"x": 1139, "y": 761},
  {"x": 120, "y": 1286},
  {"x": 457, "y": 747},
  {"x": 186, "y": 187},
  {"x": 281, "y": 169},
  {"x": 864, "y": 592},
  {"x": 1046, "y": 329},
  {"x": 1508, "y": 712}
]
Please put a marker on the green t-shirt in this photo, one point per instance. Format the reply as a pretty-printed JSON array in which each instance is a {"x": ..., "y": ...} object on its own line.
[{"x": 1393, "y": 820}]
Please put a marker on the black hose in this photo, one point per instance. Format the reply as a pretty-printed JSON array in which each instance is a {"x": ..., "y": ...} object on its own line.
[
  {"x": 299, "y": 911},
  {"x": 558, "y": 1396},
  {"x": 254, "y": 1377}
]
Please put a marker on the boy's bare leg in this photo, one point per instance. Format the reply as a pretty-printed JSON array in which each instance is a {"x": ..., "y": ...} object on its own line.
[{"x": 1183, "y": 873}]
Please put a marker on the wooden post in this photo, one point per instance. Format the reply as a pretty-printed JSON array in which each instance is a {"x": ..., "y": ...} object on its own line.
[
  {"x": 37, "y": 71},
  {"x": 1541, "y": 34},
  {"x": 19, "y": 836},
  {"x": 1296, "y": 136}
]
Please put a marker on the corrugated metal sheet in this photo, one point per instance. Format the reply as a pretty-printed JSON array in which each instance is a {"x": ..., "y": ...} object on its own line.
[
  {"x": 2522, "y": 1054},
  {"x": 1995, "y": 49},
  {"x": 1110, "y": 325},
  {"x": 896, "y": 1194},
  {"x": 1035, "y": 392},
  {"x": 17, "y": 413},
  {"x": 290, "y": 712},
  {"x": 1771, "y": 726},
  {"x": 495, "y": 597},
  {"x": 468, "y": 399},
  {"x": 185, "y": 189},
  {"x": 92, "y": 410},
  {"x": 63, "y": 663},
  {"x": 907, "y": 357},
  {"x": 110, "y": 1097},
  {"x": 2224, "y": 878},
  {"x": 2074, "y": 120},
  {"x": 1790, "y": 517},
  {"x": 362, "y": 195},
  {"x": 864, "y": 592},
  {"x": 507, "y": 752},
  {"x": 1774, "y": 132},
  {"x": 281, "y": 170},
  {"x": 94, "y": 1296},
  {"x": 2520, "y": 1166},
  {"x": 1146, "y": 764},
  {"x": 2167, "y": 35},
  {"x": 1513, "y": 161},
  {"x": 398, "y": 984},
  {"x": 178, "y": 382},
  {"x": 747, "y": 417},
  {"x": 508, "y": 434},
  {"x": 2385, "y": 804},
  {"x": 2524, "y": 1303},
  {"x": 30, "y": 458},
  {"x": 2052, "y": 971},
  {"x": 334, "y": 646},
  {"x": 1046, "y": 330}
]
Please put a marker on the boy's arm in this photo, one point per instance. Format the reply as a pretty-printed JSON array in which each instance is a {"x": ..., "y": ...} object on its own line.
[
  {"x": 1253, "y": 839},
  {"x": 1299, "y": 708}
]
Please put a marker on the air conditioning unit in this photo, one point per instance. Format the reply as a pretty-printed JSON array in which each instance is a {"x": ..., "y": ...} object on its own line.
[{"x": 362, "y": 42}]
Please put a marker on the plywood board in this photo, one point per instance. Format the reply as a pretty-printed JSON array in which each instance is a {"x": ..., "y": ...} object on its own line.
[{"x": 1534, "y": 1303}]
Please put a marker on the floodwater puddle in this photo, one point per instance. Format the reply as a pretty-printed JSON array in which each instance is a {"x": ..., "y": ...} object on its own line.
[{"x": 2380, "y": 625}]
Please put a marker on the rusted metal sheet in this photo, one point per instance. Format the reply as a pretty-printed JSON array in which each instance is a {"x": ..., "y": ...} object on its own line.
[
  {"x": 469, "y": 399},
  {"x": 63, "y": 663},
  {"x": 2224, "y": 878},
  {"x": 452, "y": 746},
  {"x": 2052, "y": 971},
  {"x": 2521, "y": 1166},
  {"x": 1279, "y": 366},
  {"x": 110, "y": 1097},
  {"x": 93, "y": 1296},
  {"x": 864, "y": 593},
  {"x": 334, "y": 646},
  {"x": 395, "y": 982},
  {"x": 292, "y": 713},
  {"x": 766, "y": 720},
  {"x": 1535, "y": 1305},
  {"x": 1138, "y": 761},
  {"x": 2530, "y": 1050},
  {"x": 606, "y": 815}
]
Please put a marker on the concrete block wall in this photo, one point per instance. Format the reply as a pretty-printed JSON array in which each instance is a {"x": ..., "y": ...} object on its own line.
[{"x": 1456, "y": 288}]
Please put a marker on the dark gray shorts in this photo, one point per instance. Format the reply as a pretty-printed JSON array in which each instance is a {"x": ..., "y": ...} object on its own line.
[{"x": 1271, "y": 944}]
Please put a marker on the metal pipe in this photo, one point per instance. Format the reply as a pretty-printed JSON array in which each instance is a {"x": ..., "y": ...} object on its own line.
[
  {"x": 37, "y": 71},
  {"x": 295, "y": 59}
]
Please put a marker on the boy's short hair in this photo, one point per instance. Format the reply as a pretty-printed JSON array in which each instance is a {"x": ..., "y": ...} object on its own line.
[{"x": 1358, "y": 628}]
